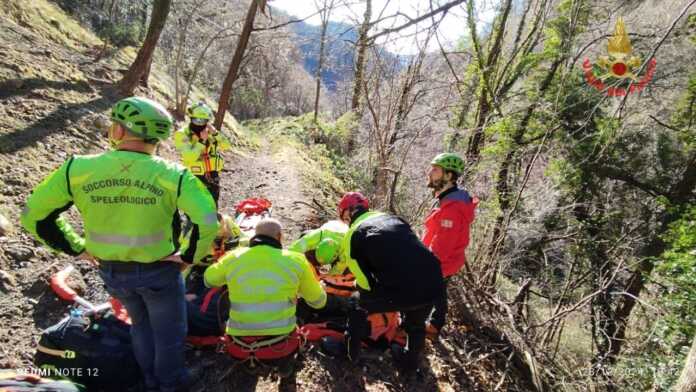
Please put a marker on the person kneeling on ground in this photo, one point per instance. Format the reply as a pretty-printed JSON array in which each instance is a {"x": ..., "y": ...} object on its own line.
[
  {"x": 394, "y": 271},
  {"x": 264, "y": 282},
  {"x": 322, "y": 246}
]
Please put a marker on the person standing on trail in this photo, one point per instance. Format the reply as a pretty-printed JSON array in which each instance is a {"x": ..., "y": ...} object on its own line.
[
  {"x": 200, "y": 144},
  {"x": 393, "y": 272},
  {"x": 128, "y": 200},
  {"x": 447, "y": 227},
  {"x": 264, "y": 282}
]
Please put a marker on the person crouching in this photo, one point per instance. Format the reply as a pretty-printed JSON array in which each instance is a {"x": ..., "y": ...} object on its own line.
[{"x": 264, "y": 282}]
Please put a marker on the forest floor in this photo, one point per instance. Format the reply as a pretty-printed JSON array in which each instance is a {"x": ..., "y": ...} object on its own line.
[{"x": 53, "y": 101}]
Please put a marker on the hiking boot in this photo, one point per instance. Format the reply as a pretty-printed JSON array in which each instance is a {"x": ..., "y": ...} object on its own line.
[
  {"x": 405, "y": 363},
  {"x": 334, "y": 347},
  {"x": 432, "y": 333}
]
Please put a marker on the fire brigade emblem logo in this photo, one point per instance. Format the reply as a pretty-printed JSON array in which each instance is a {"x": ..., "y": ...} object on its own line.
[{"x": 617, "y": 73}]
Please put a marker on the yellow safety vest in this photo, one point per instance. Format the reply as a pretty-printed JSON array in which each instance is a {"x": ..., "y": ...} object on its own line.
[
  {"x": 199, "y": 157},
  {"x": 264, "y": 282}
]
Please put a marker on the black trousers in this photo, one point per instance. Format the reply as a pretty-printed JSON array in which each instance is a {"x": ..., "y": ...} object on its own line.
[
  {"x": 440, "y": 308},
  {"x": 413, "y": 324},
  {"x": 212, "y": 182}
]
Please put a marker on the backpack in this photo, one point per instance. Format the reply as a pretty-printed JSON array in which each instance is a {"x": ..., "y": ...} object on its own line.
[
  {"x": 13, "y": 381},
  {"x": 94, "y": 351}
]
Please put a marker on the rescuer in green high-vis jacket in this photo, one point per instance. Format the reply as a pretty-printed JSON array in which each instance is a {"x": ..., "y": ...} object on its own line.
[
  {"x": 200, "y": 145},
  {"x": 264, "y": 282},
  {"x": 128, "y": 200},
  {"x": 325, "y": 243}
]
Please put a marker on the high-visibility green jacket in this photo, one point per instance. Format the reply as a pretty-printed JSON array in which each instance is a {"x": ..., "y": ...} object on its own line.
[
  {"x": 335, "y": 230},
  {"x": 264, "y": 282},
  {"x": 128, "y": 202},
  {"x": 360, "y": 277},
  {"x": 200, "y": 156}
]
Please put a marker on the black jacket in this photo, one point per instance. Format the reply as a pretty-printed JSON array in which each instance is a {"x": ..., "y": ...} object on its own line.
[{"x": 396, "y": 263}]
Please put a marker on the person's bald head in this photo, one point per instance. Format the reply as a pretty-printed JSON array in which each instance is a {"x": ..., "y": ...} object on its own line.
[{"x": 269, "y": 227}]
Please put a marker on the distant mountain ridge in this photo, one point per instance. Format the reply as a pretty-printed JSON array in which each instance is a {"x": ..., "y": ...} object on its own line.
[{"x": 339, "y": 50}]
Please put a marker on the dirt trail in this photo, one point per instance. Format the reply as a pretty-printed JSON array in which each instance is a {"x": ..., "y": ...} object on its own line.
[{"x": 267, "y": 172}]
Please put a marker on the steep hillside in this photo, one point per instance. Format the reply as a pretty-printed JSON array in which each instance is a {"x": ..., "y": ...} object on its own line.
[{"x": 54, "y": 99}]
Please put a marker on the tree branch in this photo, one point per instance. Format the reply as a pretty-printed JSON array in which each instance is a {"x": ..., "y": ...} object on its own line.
[
  {"x": 663, "y": 124},
  {"x": 413, "y": 21},
  {"x": 284, "y": 24},
  {"x": 615, "y": 173}
]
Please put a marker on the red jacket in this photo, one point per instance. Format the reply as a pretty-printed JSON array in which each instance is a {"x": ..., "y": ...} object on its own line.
[{"x": 447, "y": 229}]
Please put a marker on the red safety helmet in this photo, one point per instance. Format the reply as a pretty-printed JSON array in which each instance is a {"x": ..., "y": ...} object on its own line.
[{"x": 352, "y": 200}]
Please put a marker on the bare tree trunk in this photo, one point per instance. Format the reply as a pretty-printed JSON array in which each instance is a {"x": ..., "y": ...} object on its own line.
[
  {"x": 233, "y": 72},
  {"x": 146, "y": 74},
  {"x": 325, "y": 15},
  {"x": 361, "y": 47},
  {"x": 687, "y": 380},
  {"x": 160, "y": 10},
  {"x": 381, "y": 182},
  {"x": 360, "y": 60}
]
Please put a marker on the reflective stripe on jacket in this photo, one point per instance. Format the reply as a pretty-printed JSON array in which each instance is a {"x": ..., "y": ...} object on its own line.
[
  {"x": 360, "y": 277},
  {"x": 128, "y": 202},
  {"x": 264, "y": 282}
]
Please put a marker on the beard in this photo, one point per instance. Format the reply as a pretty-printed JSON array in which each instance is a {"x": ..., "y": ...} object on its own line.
[{"x": 436, "y": 185}]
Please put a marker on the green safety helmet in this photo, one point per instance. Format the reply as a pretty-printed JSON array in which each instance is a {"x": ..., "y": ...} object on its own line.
[
  {"x": 326, "y": 251},
  {"x": 449, "y": 161},
  {"x": 143, "y": 117},
  {"x": 200, "y": 112}
]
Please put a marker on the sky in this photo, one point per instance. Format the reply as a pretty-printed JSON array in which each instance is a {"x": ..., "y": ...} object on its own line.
[{"x": 451, "y": 28}]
